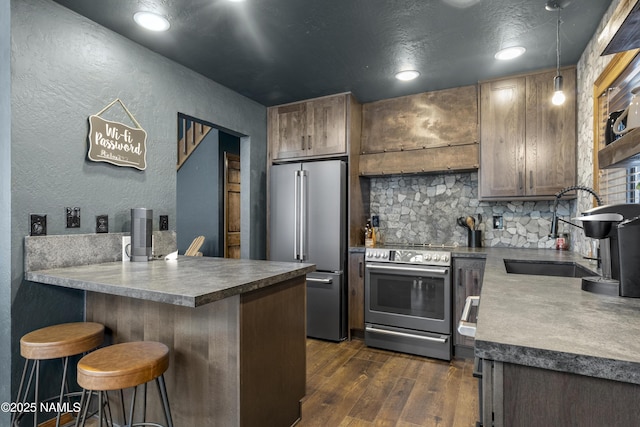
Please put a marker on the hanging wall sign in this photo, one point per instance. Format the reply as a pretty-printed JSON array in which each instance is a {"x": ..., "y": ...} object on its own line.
[{"x": 117, "y": 143}]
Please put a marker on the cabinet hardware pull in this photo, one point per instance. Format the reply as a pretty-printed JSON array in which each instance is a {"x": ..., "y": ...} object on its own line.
[
  {"x": 361, "y": 269},
  {"x": 531, "y": 180},
  {"x": 520, "y": 180},
  {"x": 302, "y": 141},
  {"x": 308, "y": 142}
]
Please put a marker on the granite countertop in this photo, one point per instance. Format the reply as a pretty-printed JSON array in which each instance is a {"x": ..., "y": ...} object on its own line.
[
  {"x": 550, "y": 322},
  {"x": 187, "y": 281}
]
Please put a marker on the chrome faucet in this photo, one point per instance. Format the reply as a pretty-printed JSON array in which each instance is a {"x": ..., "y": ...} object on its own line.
[{"x": 555, "y": 219}]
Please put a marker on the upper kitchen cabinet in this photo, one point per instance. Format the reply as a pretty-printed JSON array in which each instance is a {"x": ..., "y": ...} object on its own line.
[
  {"x": 428, "y": 132},
  {"x": 313, "y": 128},
  {"x": 528, "y": 145}
]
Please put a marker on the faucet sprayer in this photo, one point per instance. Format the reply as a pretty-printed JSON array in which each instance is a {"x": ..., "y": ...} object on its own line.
[{"x": 555, "y": 219}]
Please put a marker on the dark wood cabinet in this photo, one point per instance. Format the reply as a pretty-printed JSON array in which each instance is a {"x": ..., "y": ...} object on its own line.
[
  {"x": 527, "y": 144},
  {"x": 316, "y": 127},
  {"x": 518, "y": 395},
  {"x": 356, "y": 294},
  {"x": 427, "y": 132},
  {"x": 467, "y": 281}
]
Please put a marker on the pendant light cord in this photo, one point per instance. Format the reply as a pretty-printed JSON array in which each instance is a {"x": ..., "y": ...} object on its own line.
[{"x": 558, "y": 44}]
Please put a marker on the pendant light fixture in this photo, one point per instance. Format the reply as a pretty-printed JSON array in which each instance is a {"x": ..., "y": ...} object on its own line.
[{"x": 558, "y": 95}]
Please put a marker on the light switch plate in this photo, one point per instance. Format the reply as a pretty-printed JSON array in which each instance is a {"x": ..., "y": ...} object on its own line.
[
  {"x": 163, "y": 224},
  {"x": 73, "y": 217},
  {"x": 38, "y": 225}
]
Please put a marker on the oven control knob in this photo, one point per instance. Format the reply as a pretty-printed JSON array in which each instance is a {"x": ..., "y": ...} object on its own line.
[
  {"x": 384, "y": 255},
  {"x": 377, "y": 254},
  {"x": 427, "y": 257},
  {"x": 445, "y": 258},
  {"x": 436, "y": 257}
]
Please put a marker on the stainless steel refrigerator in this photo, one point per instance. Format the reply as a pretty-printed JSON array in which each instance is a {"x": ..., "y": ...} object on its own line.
[{"x": 308, "y": 224}]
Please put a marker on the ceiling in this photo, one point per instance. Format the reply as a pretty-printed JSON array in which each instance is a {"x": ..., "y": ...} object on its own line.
[{"x": 279, "y": 51}]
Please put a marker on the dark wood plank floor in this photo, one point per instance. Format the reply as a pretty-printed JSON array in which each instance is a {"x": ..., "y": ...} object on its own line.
[{"x": 349, "y": 384}]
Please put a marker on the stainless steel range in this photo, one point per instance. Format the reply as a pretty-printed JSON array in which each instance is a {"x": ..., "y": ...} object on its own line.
[{"x": 408, "y": 301}]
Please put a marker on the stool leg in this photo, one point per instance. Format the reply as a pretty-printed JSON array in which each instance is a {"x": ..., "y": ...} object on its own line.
[
  {"x": 82, "y": 413},
  {"x": 124, "y": 414},
  {"x": 100, "y": 407},
  {"x": 165, "y": 400},
  {"x": 15, "y": 417},
  {"x": 133, "y": 404},
  {"x": 37, "y": 394},
  {"x": 64, "y": 379},
  {"x": 144, "y": 404},
  {"x": 108, "y": 411}
]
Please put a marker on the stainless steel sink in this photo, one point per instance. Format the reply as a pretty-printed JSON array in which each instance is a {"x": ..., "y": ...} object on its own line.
[{"x": 547, "y": 268}]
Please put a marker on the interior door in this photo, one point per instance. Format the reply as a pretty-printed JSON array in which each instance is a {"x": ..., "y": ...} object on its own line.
[{"x": 231, "y": 205}]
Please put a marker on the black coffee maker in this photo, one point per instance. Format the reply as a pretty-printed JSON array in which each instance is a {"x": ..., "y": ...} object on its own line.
[{"x": 618, "y": 228}]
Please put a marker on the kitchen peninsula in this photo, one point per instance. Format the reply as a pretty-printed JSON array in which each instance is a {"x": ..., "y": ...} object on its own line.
[{"x": 235, "y": 327}]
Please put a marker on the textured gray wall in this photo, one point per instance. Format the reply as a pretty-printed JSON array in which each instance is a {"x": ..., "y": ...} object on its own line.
[
  {"x": 63, "y": 69},
  {"x": 5, "y": 206}
]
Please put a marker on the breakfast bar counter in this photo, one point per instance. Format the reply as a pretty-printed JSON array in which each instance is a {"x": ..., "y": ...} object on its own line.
[
  {"x": 236, "y": 330},
  {"x": 186, "y": 281}
]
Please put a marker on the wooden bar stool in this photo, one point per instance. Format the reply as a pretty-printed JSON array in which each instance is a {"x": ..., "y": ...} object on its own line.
[
  {"x": 122, "y": 366},
  {"x": 53, "y": 342}
]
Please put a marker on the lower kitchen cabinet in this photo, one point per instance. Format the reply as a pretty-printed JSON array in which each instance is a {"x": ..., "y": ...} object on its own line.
[
  {"x": 517, "y": 395},
  {"x": 467, "y": 281},
  {"x": 356, "y": 294}
]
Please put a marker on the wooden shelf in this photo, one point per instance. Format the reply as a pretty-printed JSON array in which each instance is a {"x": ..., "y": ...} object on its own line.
[{"x": 622, "y": 153}]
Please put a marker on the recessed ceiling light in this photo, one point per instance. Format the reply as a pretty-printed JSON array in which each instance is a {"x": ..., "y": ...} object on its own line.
[
  {"x": 510, "y": 53},
  {"x": 407, "y": 75},
  {"x": 151, "y": 21}
]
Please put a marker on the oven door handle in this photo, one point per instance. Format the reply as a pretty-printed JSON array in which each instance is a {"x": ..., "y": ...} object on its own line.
[
  {"x": 466, "y": 328},
  {"x": 440, "y": 340},
  {"x": 404, "y": 268},
  {"x": 325, "y": 281}
]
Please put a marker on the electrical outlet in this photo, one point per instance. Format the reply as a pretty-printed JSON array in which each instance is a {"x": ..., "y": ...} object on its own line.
[
  {"x": 163, "y": 224},
  {"x": 73, "y": 217},
  {"x": 497, "y": 222},
  {"x": 375, "y": 221},
  {"x": 38, "y": 225},
  {"x": 126, "y": 248},
  {"x": 102, "y": 224}
]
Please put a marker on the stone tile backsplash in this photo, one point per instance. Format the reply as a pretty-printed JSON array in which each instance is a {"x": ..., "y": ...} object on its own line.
[{"x": 424, "y": 209}]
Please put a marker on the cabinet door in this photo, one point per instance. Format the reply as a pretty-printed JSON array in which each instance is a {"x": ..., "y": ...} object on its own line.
[
  {"x": 326, "y": 126},
  {"x": 288, "y": 131},
  {"x": 551, "y": 135},
  {"x": 356, "y": 292},
  {"x": 502, "y": 138},
  {"x": 467, "y": 281}
]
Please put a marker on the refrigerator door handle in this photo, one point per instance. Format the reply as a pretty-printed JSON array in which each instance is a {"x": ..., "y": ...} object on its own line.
[
  {"x": 296, "y": 214},
  {"x": 303, "y": 214}
]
